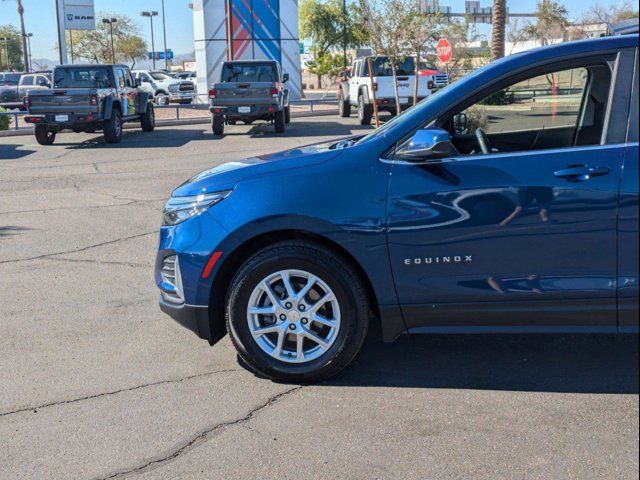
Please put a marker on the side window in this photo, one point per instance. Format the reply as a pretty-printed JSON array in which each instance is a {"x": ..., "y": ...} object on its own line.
[
  {"x": 356, "y": 68},
  {"x": 120, "y": 77},
  {"x": 127, "y": 78},
  {"x": 27, "y": 81},
  {"x": 541, "y": 102},
  {"x": 42, "y": 81}
]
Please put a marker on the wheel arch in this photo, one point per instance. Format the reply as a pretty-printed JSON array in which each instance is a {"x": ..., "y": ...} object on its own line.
[{"x": 234, "y": 260}]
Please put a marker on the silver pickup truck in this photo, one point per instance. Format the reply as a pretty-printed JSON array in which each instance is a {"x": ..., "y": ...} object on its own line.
[
  {"x": 87, "y": 98},
  {"x": 250, "y": 90}
]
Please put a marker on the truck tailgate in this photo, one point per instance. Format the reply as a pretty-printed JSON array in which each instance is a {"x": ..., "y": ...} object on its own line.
[
  {"x": 61, "y": 100},
  {"x": 239, "y": 94}
]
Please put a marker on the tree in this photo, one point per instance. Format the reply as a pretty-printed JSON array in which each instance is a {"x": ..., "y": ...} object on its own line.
[
  {"x": 323, "y": 21},
  {"x": 13, "y": 48},
  {"x": 23, "y": 34},
  {"x": 498, "y": 24},
  {"x": 386, "y": 22},
  {"x": 462, "y": 37},
  {"x": 610, "y": 14},
  {"x": 95, "y": 45},
  {"x": 422, "y": 29},
  {"x": 551, "y": 22},
  {"x": 329, "y": 65}
]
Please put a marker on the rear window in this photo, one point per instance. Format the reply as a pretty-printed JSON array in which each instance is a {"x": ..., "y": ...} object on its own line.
[
  {"x": 9, "y": 78},
  {"x": 249, "y": 72},
  {"x": 82, "y": 77},
  {"x": 382, "y": 67}
]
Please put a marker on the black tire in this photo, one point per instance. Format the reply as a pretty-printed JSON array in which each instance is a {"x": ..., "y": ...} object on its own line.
[
  {"x": 345, "y": 108},
  {"x": 365, "y": 111},
  {"x": 232, "y": 122},
  {"x": 148, "y": 119},
  {"x": 279, "y": 121},
  {"x": 217, "y": 124},
  {"x": 44, "y": 135},
  {"x": 287, "y": 114},
  {"x": 331, "y": 269},
  {"x": 112, "y": 128}
]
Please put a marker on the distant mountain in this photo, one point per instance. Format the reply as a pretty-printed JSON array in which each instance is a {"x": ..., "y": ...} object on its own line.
[{"x": 49, "y": 63}]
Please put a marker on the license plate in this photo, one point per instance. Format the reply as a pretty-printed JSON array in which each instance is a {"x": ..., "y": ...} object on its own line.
[
  {"x": 404, "y": 99},
  {"x": 244, "y": 109},
  {"x": 62, "y": 118}
]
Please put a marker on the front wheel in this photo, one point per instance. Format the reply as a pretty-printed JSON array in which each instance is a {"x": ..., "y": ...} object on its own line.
[
  {"x": 44, "y": 135},
  {"x": 297, "y": 312},
  {"x": 287, "y": 114},
  {"x": 279, "y": 121},
  {"x": 365, "y": 111}
]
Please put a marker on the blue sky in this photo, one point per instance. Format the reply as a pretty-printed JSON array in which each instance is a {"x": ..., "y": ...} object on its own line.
[{"x": 40, "y": 19}]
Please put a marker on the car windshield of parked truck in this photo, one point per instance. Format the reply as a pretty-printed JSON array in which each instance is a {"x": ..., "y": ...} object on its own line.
[
  {"x": 161, "y": 76},
  {"x": 9, "y": 79},
  {"x": 382, "y": 67},
  {"x": 249, "y": 72},
  {"x": 81, "y": 77}
]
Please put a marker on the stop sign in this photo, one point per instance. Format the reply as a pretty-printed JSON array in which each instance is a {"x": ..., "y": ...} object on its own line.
[{"x": 444, "y": 50}]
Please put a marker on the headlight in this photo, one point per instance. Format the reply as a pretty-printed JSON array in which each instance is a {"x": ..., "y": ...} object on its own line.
[
  {"x": 174, "y": 87},
  {"x": 179, "y": 209}
]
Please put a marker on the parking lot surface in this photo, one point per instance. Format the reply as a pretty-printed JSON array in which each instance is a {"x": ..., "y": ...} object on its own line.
[{"x": 97, "y": 383}]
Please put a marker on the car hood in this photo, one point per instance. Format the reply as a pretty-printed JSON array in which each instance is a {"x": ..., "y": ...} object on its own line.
[{"x": 227, "y": 175}]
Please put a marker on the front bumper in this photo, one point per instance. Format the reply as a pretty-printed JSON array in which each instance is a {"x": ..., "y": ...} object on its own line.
[
  {"x": 248, "y": 112},
  {"x": 182, "y": 97},
  {"x": 194, "y": 318}
]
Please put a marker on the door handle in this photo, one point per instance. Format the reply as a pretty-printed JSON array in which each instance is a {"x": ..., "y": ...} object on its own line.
[{"x": 580, "y": 173}]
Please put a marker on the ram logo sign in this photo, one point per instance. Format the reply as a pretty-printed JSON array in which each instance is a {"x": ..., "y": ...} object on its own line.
[{"x": 79, "y": 15}]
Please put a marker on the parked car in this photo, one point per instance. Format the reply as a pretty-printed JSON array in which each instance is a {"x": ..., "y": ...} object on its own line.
[
  {"x": 9, "y": 79},
  {"x": 438, "y": 78},
  {"x": 12, "y": 96},
  {"x": 250, "y": 90},
  {"x": 479, "y": 210},
  {"x": 88, "y": 98},
  {"x": 191, "y": 76},
  {"x": 165, "y": 88},
  {"x": 357, "y": 89}
]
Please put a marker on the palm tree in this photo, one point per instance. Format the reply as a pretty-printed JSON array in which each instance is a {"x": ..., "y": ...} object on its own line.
[
  {"x": 498, "y": 32},
  {"x": 24, "y": 35}
]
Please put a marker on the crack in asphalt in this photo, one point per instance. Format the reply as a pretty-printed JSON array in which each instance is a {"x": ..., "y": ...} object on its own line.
[
  {"x": 82, "y": 249},
  {"x": 200, "y": 438},
  {"x": 114, "y": 392},
  {"x": 100, "y": 262}
]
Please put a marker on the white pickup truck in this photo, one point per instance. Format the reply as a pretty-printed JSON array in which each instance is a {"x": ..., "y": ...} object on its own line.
[
  {"x": 164, "y": 88},
  {"x": 355, "y": 90}
]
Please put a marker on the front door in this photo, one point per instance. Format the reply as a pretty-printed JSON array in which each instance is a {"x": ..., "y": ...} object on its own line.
[{"x": 518, "y": 233}]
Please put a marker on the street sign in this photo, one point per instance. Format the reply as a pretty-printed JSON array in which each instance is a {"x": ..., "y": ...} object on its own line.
[
  {"x": 79, "y": 15},
  {"x": 160, "y": 55},
  {"x": 444, "y": 50}
]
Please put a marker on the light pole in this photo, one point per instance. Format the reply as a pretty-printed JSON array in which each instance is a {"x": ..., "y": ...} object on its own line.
[
  {"x": 344, "y": 33},
  {"x": 110, "y": 22},
  {"x": 153, "y": 46},
  {"x": 28, "y": 37},
  {"x": 164, "y": 34},
  {"x": 6, "y": 51}
]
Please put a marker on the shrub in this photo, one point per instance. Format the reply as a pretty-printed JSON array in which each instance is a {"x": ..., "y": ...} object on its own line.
[{"x": 5, "y": 120}]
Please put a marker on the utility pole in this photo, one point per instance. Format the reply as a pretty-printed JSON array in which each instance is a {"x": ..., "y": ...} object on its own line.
[
  {"x": 164, "y": 34},
  {"x": 23, "y": 32},
  {"x": 153, "y": 47},
  {"x": 110, "y": 22},
  {"x": 344, "y": 33},
  {"x": 29, "y": 35}
]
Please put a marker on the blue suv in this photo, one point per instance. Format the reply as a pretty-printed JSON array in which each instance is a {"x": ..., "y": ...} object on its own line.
[{"x": 507, "y": 202}]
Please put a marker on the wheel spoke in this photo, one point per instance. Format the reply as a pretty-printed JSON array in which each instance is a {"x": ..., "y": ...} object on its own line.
[
  {"x": 322, "y": 320},
  {"x": 270, "y": 293},
  {"x": 287, "y": 285},
  {"x": 311, "y": 281},
  {"x": 262, "y": 310},
  {"x": 278, "y": 350},
  {"x": 328, "y": 297},
  {"x": 258, "y": 332},
  {"x": 317, "y": 339},
  {"x": 299, "y": 345}
]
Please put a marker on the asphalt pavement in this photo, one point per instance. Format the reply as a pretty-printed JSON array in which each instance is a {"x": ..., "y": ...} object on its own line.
[{"x": 97, "y": 383}]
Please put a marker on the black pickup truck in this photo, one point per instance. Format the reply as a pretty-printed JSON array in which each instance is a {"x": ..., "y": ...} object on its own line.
[
  {"x": 89, "y": 98},
  {"x": 250, "y": 90}
]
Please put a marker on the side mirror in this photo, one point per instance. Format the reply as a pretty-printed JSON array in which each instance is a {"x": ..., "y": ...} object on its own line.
[
  {"x": 428, "y": 145},
  {"x": 285, "y": 77},
  {"x": 460, "y": 122}
]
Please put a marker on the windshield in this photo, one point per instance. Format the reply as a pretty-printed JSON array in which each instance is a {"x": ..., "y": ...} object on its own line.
[
  {"x": 81, "y": 77},
  {"x": 9, "y": 78},
  {"x": 382, "y": 67},
  {"x": 249, "y": 72},
  {"x": 161, "y": 76},
  {"x": 427, "y": 66}
]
